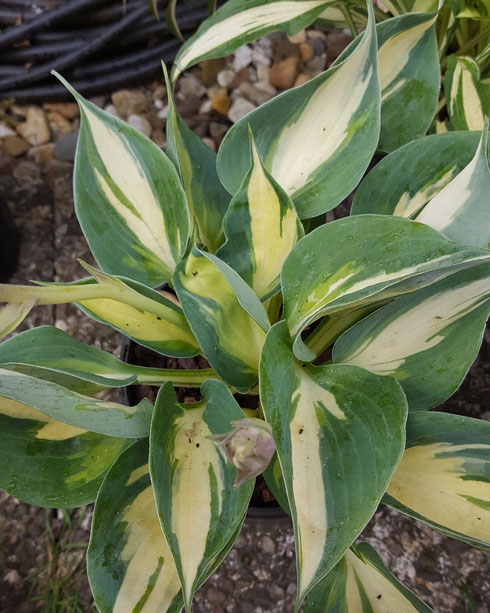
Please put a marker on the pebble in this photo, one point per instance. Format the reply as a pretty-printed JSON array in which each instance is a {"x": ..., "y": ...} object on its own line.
[
  {"x": 305, "y": 52},
  {"x": 190, "y": 86},
  {"x": 319, "y": 46},
  {"x": 300, "y": 37},
  {"x": 205, "y": 107},
  {"x": 283, "y": 74},
  {"x": 69, "y": 110},
  {"x": 225, "y": 77},
  {"x": 316, "y": 65},
  {"x": 239, "y": 109},
  {"x": 111, "y": 109},
  {"x": 163, "y": 113},
  {"x": 12, "y": 577},
  {"x": 141, "y": 124},
  {"x": 215, "y": 597},
  {"x": 14, "y": 145},
  {"x": 209, "y": 142},
  {"x": 291, "y": 588},
  {"x": 262, "y": 52},
  {"x": 27, "y": 172},
  {"x": 159, "y": 93},
  {"x": 188, "y": 105},
  {"x": 302, "y": 78},
  {"x": 221, "y": 103},
  {"x": 65, "y": 148},
  {"x": 129, "y": 102},
  {"x": 262, "y": 73},
  {"x": 60, "y": 125},
  {"x": 243, "y": 57},
  {"x": 267, "y": 545},
  {"x": 255, "y": 94},
  {"x": 42, "y": 154},
  {"x": 35, "y": 129},
  {"x": 217, "y": 130},
  {"x": 158, "y": 137},
  {"x": 210, "y": 70},
  {"x": 6, "y": 130}
]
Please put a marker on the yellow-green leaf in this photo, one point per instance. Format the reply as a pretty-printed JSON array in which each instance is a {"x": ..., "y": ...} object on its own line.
[
  {"x": 261, "y": 227},
  {"x": 199, "y": 509},
  {"x": 444, "y": 476}
]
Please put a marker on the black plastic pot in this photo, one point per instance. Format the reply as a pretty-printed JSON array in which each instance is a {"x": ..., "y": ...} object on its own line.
[
  {"x": 9, "y": 243},
  {"x": 127, "y": 396}
]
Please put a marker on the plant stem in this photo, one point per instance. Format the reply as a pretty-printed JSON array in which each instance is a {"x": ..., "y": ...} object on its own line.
[
  {"x": 329, "y": 330},
  {"x": 348, "y": 19},
  {"x": 441, "y": 105},
  {"x": 79, "y": 293},
  {"x": 179, "y": 377}
]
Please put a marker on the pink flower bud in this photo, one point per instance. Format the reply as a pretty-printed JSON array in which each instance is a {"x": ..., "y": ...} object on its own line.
[{"x": 249, "y": 447}]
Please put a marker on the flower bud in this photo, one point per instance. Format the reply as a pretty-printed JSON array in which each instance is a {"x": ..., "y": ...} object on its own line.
[{"x": 249, "y": 447}]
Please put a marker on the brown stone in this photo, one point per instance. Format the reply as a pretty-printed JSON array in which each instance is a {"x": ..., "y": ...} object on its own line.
[
  {"x": 305, "y": 52},
  {"x": 129, "y": 102},
  {"x": 284, "y": 49},
  {"x": 14, "y": 145},
  {"x": 67, "y": 109},
  {"x": 209, "y": 71},
  {"x": 241, "y": 76},
  {"x": 283, "y": 74},
  {"x": 42, "y": 154},
  {"x": 302, "y": 78},
  {"x": 59, "y": 124},
  {"x": 221, "y": 102},
  {"x": 35, "y": 129},
  {"x": 299, "y": 37}
]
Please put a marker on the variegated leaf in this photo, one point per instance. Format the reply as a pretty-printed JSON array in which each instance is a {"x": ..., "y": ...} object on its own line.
[
  {"x": 467, "y": 97},
  {"x": 69, "y": 465},
  {"x": 334, "y": 17},
  {"x": 13, "y": 314},
  {"x": 316, "y": 140},
  {"x": 410, "y": 6},
  {"x": 427, "y": 339},
  {"x": 130, "y": 307},
  {"x": 238, "y": 22},
  {"x": 409, "y": 76},
  {"x": 261, "y": 227},
  {"x": 461, "y": 210},
  {"x": 51, "y": 349},
  {"x": 405, "y": 180},
  {"x": 275, "y": 482},
  {"x": 339, "y": 432},
  {"x": 226, "y": 316},
  {"x": 196, "y": 163},
  {"x": 444, "y": 476},
  {"x": 129, "y": 564},
  {"x": 102, "y": 416},
  {"x": 377, "y": 261},
  {"x": 128, "y": 198},
  {"x": 361, "y": 583},
  {"x": 199, "y": 508}
]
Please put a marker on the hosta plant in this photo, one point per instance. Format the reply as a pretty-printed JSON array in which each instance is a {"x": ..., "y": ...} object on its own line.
[{"x": 346, "y": 333}]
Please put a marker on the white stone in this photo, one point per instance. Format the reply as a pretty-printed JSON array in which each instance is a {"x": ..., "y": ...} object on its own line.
[
  {"x": 239, "y": 108},
  {"x": 163, "y": 113},
  {"x": 191, "y": 86},
  {"x": 225, "y": 77},
  {"x": 6, "y": 131},
  {"x": 141, "y": 124},
  {"x": 243, "y": 57}
]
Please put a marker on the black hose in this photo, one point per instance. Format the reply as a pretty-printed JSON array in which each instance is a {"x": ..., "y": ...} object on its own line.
[
  {"x": 38, "y": 73},
  {"x": 104, "y": 83},
  {"x": 45, "y": 19}
]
